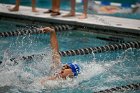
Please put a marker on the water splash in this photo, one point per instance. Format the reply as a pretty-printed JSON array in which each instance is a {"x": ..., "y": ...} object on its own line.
[{"x": 26, "y": 75}]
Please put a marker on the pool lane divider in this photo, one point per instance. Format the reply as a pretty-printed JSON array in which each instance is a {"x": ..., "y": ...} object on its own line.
[
  {"x": 121, "y": 88},
  {"x": 34, "y": 30},
  {"x": 101, "y": 49},
  {"x": 84, "y": 51}
]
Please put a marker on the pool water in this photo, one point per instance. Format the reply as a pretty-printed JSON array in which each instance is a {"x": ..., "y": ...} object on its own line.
[
  {"x": 98, "y": 71},
  {"x": 65, "y": 5}
]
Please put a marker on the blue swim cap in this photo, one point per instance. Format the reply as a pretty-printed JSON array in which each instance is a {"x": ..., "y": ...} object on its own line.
[{"x": 75, "y": 68}]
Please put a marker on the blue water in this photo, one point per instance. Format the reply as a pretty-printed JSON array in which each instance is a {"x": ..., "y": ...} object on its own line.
[
  {"x": 65, "y": 5},
  {"x": 98, "y": 71}
]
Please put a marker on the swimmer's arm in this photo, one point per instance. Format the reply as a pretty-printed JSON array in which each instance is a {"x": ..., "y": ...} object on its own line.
[
  {"x": 55, "y": 49},
  {"x": 54, "y": 45}
]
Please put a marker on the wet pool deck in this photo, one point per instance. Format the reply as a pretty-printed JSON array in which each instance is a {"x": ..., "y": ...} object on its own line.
[{"x": 95, "y": 21}]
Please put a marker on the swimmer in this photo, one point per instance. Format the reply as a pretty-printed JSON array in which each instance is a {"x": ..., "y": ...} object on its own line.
[
  {"x": 109, "y": 9},
  {"x": 69, "y": 70}
]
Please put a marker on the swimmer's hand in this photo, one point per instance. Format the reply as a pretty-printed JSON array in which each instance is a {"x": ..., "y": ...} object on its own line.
[{"x": 47, "y": 29}]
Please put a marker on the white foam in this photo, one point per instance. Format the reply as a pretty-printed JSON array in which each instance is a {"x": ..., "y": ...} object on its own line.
[{"x": 90, "y": 70}]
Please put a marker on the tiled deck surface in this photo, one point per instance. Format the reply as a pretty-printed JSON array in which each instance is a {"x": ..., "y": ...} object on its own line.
[{"x": 92, "y": 20}]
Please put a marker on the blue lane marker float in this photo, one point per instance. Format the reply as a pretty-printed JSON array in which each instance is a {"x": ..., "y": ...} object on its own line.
[{"x": 124, "y": 5}]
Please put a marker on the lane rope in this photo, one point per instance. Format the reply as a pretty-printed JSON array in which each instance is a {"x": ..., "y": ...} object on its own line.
[
  {"x": 121, "y": 89},
  {"x": 31, "y": 29},
  {"x": 84, "y": 51}
]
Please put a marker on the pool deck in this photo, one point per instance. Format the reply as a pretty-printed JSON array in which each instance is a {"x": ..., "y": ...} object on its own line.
[{"x": 95, "y": 21}]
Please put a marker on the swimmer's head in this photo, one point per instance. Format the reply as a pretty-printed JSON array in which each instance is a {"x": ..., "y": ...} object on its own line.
[
  {"x": 75, "y": 68},
  {"x": 70, "y": 70}
]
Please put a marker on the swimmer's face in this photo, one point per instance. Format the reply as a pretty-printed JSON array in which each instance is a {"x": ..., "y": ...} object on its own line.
[{"x": 66, "y": 72}]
